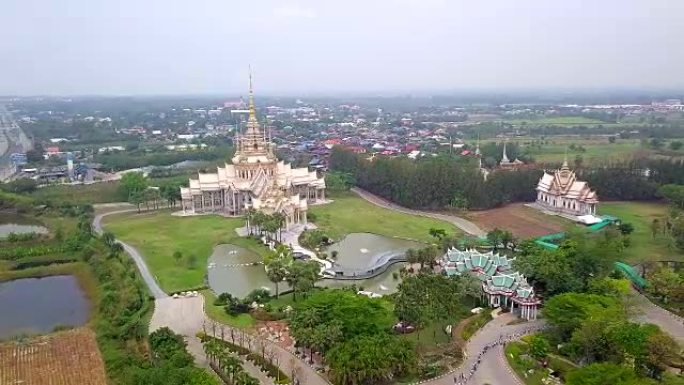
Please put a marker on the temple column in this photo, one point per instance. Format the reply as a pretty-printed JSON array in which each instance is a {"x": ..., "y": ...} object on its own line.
[
  {"x": 323, "y": 194},
  {"x": 305, "y": 219},
  {"x": 202, "y": 202}
]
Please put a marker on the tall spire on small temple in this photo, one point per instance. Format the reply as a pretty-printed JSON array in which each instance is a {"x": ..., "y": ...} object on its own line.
[
  {"x": 565, "y": 160},
  {"x": 504, "y": 158}
]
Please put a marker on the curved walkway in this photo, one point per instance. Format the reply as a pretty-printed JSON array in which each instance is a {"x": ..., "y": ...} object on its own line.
[
  {"x": 463, "y": 224},
  {"x": 492, "y": 367},
  {"x": 186, "y": 317},
  {"x": 648, "y": 312},
  {"x": 151, "y": 283}
]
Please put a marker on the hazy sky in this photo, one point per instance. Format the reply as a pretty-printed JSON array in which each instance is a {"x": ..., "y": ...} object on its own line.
[{"x": 327, "y": 46}]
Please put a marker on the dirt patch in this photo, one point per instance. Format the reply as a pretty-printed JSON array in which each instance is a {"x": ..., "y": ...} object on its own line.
[
  {"x": 64, "y": 358},
  {"x": 524, "y": 222}
]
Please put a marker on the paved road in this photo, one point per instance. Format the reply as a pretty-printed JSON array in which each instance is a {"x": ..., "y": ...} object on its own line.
[
  {"x": 492, "y": 368},
  {"x": 463, "y": 224},
  {"x": 151, "y": 283},
  {"x": 12, "y": 139},
  {"x": 186, "y": 317},
  {"x": 650, "y": 313}
]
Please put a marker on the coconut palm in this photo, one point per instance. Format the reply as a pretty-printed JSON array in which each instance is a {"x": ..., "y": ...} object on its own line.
[{"x": 276, "y": 273}]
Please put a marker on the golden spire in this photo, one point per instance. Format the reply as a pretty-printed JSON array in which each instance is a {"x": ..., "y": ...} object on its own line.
[{"x": 252, "y": 109}]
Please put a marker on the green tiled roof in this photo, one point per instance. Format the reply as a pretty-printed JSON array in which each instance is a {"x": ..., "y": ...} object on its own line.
[{"x": 494, "y": 270}]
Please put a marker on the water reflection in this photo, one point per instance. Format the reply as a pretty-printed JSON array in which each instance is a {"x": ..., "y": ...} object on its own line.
[
  {"x": 18, "y": 224},
  {"x": 38, "y": 305},
  {"x": 231, "y": 268}
]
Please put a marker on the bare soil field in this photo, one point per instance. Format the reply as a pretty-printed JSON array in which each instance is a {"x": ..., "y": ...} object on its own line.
[
  {"x": 63, "y": 358},
  {"x": 524, "y": 222}
]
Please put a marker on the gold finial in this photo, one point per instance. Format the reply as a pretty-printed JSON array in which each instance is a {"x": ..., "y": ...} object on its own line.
[{"x": 252, "y": 109}]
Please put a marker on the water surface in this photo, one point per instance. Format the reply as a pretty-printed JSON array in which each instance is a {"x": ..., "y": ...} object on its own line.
[
  {"x": 359, "y": 252},
  {"x": 18, "y": 224},
  {"x": 230, "y": 270},
  {"x": 38, "y": 305}
]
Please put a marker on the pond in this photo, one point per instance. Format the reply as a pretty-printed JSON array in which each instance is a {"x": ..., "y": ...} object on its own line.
[
  {"x": 18, "y": 224},
  {"x": 360, "y": 252},
  {"x": 38, "y": 305},
  {"x": 231, "y": 269}
]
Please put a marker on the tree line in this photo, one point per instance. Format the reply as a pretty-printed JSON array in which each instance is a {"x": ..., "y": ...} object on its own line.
[{"x": 448, "y": 181}]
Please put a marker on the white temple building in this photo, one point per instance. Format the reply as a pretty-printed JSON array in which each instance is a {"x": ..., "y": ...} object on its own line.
[
  {"x": 256, "y": 179},
  {"x": 561, "y": 192}
]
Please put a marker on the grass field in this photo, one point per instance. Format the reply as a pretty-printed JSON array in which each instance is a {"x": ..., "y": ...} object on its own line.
[
  {"x": 559, "y": 120},
  {"x": 351, "y": 214},
  {"x": 217, "y": 313},
  {"x": 643, "y": 246},
  {"x": 157, "y": 235},
  {"x": 521, "y": 364},
  {"x": 65, "y": 358},
  {"x": 597, "y": 150},
  {"x": 104, "y": 192}
]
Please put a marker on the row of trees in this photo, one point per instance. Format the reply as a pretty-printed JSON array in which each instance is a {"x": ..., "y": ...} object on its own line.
[
  {"x": 301, "y": 276},
  {"x": 450, "y": 181},
  {"x": 173, "y": 365},
  {"x": 227, "y": 363},
  {"x": 139, "y": 192},
  {"x": 439, "y": 182},
  {"x": 260, "y": 223}
]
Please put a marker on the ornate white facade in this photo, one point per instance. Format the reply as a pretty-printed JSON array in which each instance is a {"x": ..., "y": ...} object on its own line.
[
  {"x": 256, "y": 179},
  {"x": 562, "y": 192}
]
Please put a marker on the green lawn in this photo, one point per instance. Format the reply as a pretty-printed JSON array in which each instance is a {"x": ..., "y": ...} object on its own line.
[
  {"x": 104, "y": 192},
  {"x": 561, "y": 120},
  {"x": 157, "y": 235},
  {"x": 217, "y": 313},
  {"x": 595, "y": 152},
  {"x": 643, "y": 246},
  {"x": 351, "y": 214}
]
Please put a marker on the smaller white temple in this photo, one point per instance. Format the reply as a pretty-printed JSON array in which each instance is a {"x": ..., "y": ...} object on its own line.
[{"x": 561, "y": 192}]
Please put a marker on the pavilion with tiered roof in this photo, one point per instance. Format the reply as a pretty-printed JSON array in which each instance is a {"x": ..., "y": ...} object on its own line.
[{"x": 502, "y": 285}]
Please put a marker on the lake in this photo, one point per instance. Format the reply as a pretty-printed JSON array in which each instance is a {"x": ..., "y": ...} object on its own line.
[
  {"x": 230, "y": 268},
  {"x": 18, "y": 224},
  {"x": 360, "y": 252},
  {"x": 38, "y": 305}
]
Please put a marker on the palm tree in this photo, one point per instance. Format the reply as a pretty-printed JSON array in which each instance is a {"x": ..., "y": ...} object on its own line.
[
  {"x": 244, "y": 378},
  {"x": 276, "y": 272},
  {"x": 250, "y": 219},
  {"x": 230, "y": 365},
  {"x": 279, "y": 219}
]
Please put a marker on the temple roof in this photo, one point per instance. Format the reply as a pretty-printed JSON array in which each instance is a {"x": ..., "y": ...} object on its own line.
[
  {"x": 494, "y": 270},
  {"x": 563, "y": 182}
]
